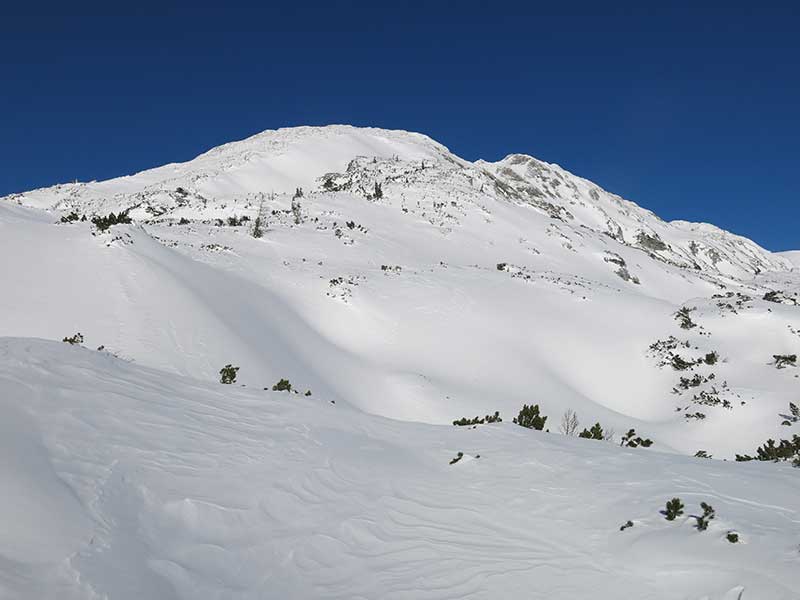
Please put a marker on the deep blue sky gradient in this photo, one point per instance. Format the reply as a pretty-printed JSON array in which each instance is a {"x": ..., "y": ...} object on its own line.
[{"x": 689, "y": 110}]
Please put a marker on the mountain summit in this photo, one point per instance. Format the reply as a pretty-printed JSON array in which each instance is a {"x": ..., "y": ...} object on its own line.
[{"x": 284, "y": 160}]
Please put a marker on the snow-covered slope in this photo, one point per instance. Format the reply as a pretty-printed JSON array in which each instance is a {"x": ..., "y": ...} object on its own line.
[
  {"x": 396, "y": 280},
  {"x": 793, "y": 256},
  {"x": 580, "y": 202},
  {"x": 450, "y": 289},
  {"x": 272, "y": 161},
  {"x": 135, "y": 483},
  {"x": 281, "y": 161}
]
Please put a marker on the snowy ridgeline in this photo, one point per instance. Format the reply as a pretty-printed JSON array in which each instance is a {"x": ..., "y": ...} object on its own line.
[
  {"x": 128, "y": 483},
  {"x": 389, "y": 278}
]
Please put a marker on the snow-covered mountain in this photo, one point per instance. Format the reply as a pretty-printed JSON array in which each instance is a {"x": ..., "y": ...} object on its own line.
[
  {"x": 391, "y": 279},
  {"x": 282, "y": 161}
]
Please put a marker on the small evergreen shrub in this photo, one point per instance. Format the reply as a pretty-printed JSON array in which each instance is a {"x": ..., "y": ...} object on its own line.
[
  {"x": 627, "y": 525},
  {"x": 227, "y": 374},
  {"x": 71, "y": 218},
  {"x": 282, "y": 386},
  {"x": 711, "y": 358},
  {"x": 732, "y": 537},
  {"x": 674, "y": 509},
  {"x": 75, "y": 340},
  {"x": 697, "y": 415},
  {"x": 103, "y": 223},
  {"x": 631, "y": 440},
  {"x": 683, "y": 316},
  {"x": 705, "y": 518},
  {"x": 529, "y": 417},
  {"x": 785, "y": 450},
  {"x": 785, "y": 360},
  {"x": 464, "y": 421},
  {"x": 595, "y": 433},
  {"x": 702, "y": 454}
]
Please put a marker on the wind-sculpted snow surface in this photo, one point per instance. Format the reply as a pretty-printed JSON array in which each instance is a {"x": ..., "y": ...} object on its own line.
[{"x": 126, "y": 482}]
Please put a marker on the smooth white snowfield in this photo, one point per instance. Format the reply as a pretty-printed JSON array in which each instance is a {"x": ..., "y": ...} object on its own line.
[
  {"x": 129, "y": 482},
  {"x": 411, "y": 288}
]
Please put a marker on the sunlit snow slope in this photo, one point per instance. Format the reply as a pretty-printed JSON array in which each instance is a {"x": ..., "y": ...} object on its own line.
[
  {"x": 404, "y": 288},
  {"x": 459, "y": 289}
]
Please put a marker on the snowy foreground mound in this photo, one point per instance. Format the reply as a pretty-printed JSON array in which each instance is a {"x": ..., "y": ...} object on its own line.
[{"x": 127, "y": 482}]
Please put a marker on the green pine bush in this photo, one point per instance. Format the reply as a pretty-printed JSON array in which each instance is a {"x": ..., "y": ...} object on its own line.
[
  {"x": 227, "y": 374},
  {"x": 785, "y": 450},
  {"x": 674, "y": 509},
  {"x": 595, "y": 433},
  {"x": 631, "y": 440},
  {"x": 708, "y": 514},
  {"x": 75, "y": 340},
  {"x": 529, "y": 417},
  {"x": 785, "y": 360},
  {"x": 282, "y": 386},
  {"x": 464, "y": 421},
  {"x": 103, "y": 223}
]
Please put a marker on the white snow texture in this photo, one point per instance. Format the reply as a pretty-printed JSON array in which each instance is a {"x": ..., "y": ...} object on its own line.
[{"x": 404, "y": 287}]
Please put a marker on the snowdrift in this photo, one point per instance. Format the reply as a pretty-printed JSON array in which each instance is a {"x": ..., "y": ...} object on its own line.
[{"x": 127, "y": 482}]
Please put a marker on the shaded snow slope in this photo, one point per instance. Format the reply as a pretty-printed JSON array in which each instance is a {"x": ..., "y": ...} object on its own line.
[{"x": 128, "y": 482}]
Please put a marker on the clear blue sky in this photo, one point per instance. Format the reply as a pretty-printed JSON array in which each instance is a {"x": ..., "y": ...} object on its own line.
[{"x": 691, "y": 110}]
